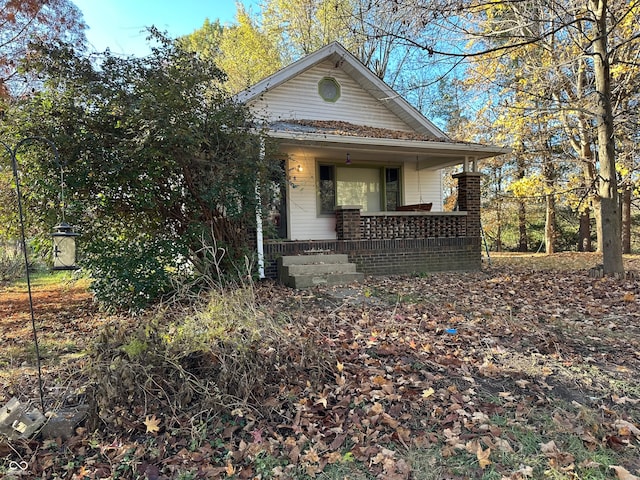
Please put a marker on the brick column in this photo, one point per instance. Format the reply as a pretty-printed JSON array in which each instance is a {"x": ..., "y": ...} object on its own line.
[
  {"x": 348, "y": 222},
  {"x": 469, "y": 200}
]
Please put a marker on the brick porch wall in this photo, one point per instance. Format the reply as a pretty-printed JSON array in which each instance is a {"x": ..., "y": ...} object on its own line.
[
  {"x": 385, "y": 257},
  {"x": 400, "y": 242}
]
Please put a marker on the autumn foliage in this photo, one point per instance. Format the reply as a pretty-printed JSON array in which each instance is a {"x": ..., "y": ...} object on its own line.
[{"x": 26, "y": 21}]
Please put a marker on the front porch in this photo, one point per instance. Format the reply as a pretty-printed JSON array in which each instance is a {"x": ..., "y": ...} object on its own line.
[{"x": 399, "y": 242}]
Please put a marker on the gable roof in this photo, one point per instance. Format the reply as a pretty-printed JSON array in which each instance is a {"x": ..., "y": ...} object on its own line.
[{"x": 342, "y": 58}]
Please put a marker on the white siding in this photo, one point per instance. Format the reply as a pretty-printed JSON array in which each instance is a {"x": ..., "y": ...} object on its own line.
[
  {"x": 298, "y": 99},
  {"x": 419, "y": 186},
  {"x": 422, "y": 186},
  {"x": 304, "y": 221}
]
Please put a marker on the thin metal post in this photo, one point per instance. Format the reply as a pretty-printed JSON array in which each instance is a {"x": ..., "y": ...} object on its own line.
[{"x": 14, "y": 165}]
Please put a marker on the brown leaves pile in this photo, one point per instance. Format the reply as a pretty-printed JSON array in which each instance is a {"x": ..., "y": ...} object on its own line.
[{"x": 423, "y": 363}]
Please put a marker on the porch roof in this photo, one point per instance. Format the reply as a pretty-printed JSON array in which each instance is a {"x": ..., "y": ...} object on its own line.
[{"x": 431, "y": 154}]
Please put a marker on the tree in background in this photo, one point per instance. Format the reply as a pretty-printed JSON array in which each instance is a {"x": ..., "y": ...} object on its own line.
[
  {"x": 162, "y": 166},
  {"x": 22, "y": 22},
  {"x": 544, "y": 28},
  {"x": 205, "y": 41},
  {"x": 284, "y": 31},
  {"x": 25, "y": 21},
  {"x": 243, "y": 51},
  {"x": 304, "y": 26},
  {"x": 247, "y": 54}
]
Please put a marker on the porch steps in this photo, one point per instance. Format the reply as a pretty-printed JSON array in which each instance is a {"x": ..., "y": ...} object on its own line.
[{"x": 304, "y": 271}]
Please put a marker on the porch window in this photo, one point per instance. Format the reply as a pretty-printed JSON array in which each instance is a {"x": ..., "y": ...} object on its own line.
[{"x": 374, "y": 188}]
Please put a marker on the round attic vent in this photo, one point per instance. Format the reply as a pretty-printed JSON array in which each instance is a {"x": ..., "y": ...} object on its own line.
[{"x": 329, "y": 89}]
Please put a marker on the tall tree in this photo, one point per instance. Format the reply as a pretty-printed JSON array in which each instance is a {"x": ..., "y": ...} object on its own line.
[
  {"x": 25, "y": 21},
  {"x": 205, "y": 41},
  {"x": 511, "y": 26},
  {"x": 304, "y": 26},
  {"x": 248, "y": 54},
  {"x": 244, "y": 51},
  {"x": 607, "y": 178}
]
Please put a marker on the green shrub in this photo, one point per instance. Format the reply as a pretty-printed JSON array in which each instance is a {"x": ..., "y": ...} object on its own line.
[{"x": 131, "y": 274}]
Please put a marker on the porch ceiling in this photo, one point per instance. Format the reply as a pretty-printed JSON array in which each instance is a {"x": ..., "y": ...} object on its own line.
[{"x": 431, "y": 155}]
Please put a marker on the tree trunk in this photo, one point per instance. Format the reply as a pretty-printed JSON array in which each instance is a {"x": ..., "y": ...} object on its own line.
[
  {"x": 499, "y": 229},
  {"x": 584, "y": 234},
  {"x": 596, "y": 205},
  {"x": 626, "y": 220},
  {"x": 523, "y": 240},
  {"x": 523, "y": 243},
  {"x": 550, "y": 226},
  {"x": 607, "y": 183}
]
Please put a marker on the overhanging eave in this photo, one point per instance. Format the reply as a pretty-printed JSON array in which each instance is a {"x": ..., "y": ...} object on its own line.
[{"x": 431, "y": 155}]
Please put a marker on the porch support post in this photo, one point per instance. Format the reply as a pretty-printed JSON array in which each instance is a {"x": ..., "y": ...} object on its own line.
[
  {"x": 348, "y": 222},
  {"x": 259, "y": 233},
  {"x": 469, "y": 200}
]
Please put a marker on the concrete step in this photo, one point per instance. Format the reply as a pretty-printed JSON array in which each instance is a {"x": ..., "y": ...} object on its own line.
[
  {"x": 317, "y": 268},
  {"x": 306, "y": 281},
  {"x": 304, "y": 271},
  {"x": 314, "y": 259}
]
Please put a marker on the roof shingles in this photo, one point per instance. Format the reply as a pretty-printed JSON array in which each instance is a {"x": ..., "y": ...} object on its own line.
[{"x": 335, "y": 127}]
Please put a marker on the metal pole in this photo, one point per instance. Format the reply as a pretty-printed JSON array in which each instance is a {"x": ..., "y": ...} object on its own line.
[{"x": 14, "y": 165}]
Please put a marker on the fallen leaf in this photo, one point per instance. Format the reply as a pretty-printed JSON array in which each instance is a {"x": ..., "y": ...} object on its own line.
[
  {"x": 311, "y": 456},
  {"x": 379, "y": 380},
  {"x": 483, "y": 457},
  {"x": 526, "y": 471},
  {"x": 152, "y": 423},
  {"x": 549, "y": 447},
  {"x": 626, "y": 428},
  {"x": 83, "y": 472},
  {"x": 334, "y": 457},
  {"x": 428, "y": 392},
  {"x": 623, "y": 474}
]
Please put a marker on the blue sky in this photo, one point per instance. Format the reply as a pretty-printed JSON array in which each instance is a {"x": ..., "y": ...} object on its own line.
[{"x": 120, "y": 24}]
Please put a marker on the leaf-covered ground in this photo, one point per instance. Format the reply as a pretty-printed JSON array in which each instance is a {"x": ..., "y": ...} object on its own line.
[{"x": 527, "y": 369}]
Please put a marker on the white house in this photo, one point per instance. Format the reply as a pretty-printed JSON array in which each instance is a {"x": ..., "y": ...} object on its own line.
[{"x": 365, "y": 170}]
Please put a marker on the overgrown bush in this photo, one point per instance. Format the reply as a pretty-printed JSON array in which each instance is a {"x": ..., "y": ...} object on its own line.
[
  {"x": 158, "y": 158},
  {"x": 131, "y": 274},
  {"x": 219, "y": 355}
]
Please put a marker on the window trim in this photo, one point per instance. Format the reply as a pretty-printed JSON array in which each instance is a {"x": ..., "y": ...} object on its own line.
[
  {"x": 338, "y": 89},
  {"x": 382, "y": 168}
]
